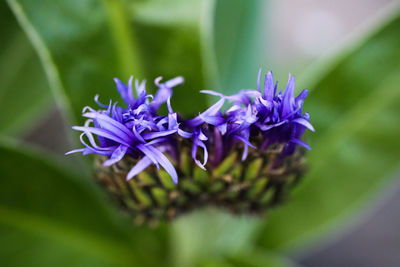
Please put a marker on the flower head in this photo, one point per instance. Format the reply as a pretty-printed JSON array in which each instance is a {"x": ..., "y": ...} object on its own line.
[
  {"x": 275, "y": 117},
  {"x": 262, "y": 125},
  {"x": 137, "y": 130},
  {"x": 255, "y": 119}
]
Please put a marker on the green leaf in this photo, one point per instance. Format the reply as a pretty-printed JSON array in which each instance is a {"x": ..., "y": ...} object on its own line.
[
  {"x": 84, "y": 44},
  {"x": 170, "y": 43},
  {"x": 210, "y": 233},
  {"x": 77, "y": 48},
  {"x": 24, "y": 91},
  {"x": 248, "y": 258},
  {"x": 258, "y": 258},
  {"x": 50, "y": 217},
  {"x": 237, "y": 41},
  {"x": 354, "y": 108}
]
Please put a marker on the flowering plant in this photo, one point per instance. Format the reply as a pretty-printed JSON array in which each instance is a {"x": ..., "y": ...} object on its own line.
[
  {"x": 140, "y": 136},
  {"x": 261, "y": 117},
  {"x": 164, "y": 155}
]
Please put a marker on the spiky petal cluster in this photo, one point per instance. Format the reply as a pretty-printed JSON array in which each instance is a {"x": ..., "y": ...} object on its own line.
[
  {"x": 136, "y": 130},
  {"x": 255, "y": 118}
]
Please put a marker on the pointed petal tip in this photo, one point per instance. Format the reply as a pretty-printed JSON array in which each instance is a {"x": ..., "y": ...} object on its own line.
[
  {"x": 130, "y": 175},
  {"x": 258, "y": 80},
  {"x": 107, "y": 163},
  {"x": 157, "y": 80},
  {"x": 74, "y": 151}
]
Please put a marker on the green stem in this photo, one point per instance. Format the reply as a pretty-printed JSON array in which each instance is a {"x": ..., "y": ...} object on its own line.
[{"x": 124, "y": 39}]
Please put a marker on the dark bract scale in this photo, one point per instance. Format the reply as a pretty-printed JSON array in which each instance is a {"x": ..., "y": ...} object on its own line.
[{"x": 263, "y": 126}]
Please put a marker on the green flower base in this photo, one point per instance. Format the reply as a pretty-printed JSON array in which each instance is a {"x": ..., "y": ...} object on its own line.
[{"x": 251, "y": 186}]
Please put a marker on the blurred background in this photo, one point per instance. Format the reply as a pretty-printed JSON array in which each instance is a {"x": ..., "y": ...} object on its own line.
[{"x": 286, "y": 36}]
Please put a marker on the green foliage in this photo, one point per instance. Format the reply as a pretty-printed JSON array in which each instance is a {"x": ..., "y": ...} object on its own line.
[
  {"x": 24, "y": 92},
  {"x": 210, "y": 233},
  {"x": 82, "y": 53},
  {"x": 49, "y": 217},
  {"x": 354, "y": 108},
  {"x": 169, "y": 40},
  {"x": 248, "y": 258},
  {"x": 237, "y": 48}
]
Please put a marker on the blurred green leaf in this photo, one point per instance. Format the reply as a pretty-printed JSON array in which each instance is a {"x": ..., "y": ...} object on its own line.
[
  {"x": 84, "y": 44},
  {"x": 208, "y": 233},
  {"x": 355, "y": 110},
  {"x": 170, "y": 44},
  {"x": 79, "y": 51},
  {"x": 238, "y": 42},
  {"x": 248, "y": 258},
  {"x": 24, "y": 91},
  {"x": 49, "y": 217},
  {"x": 258, "y": 258}
]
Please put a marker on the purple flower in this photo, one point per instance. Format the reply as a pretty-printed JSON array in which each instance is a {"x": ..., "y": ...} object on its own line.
[
  {"x": 254, "y": 118},
  {"x": 277, "y": 117},
  {"x": 136, "y": 130},
  {"x": 281, "y": 118}
]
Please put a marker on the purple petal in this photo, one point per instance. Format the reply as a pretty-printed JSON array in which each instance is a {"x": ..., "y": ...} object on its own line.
[
  {"x": 116, "y": 156},
  {"x": 201, "y": 144},
  {"x": 222, "y": 128},
  {"x": 169, "y": 105},
  {"x": 103, "y": 133},
  {"x": 96, "y": 99},
  {"x": 266, "y": 103},
  {"x": 245, "y": 141},
  {"x": 110, "y": 124},
  {"x": 210, "y": 92},
  {"x": 139, "y": 167},
  {"x": 140, "y": 89},
  {"x": 208, "y": 115},
  {"x": 164, "y": 92},
  {"x": 299, "y": 142},
  {"x": 124, "y": 91},
  {"x": 137, "y": 135},
  {"x": 258, "y": 80},
  {"x": 202, "y": 136},
  {"x": 214, "y": 108},
  {"x": 75, "y": 151},
  {"x": 196, "y": 144},
  {"x": 165, "y": 163},
  {"x": 174, "y": 82},
  {"x": 269, "y": 91},
  {"x": 147, "y": 136},
  {"x": 149, "y": 153},
  {"x": 302, "y": 95},
  {"x": 156, "y": 141},
  {"x": 95, "y": 149},
  {"x": 288, "y": 99},
  {"x": 264, "y": 127},
  {"x": 213, "y": 120},
  {"x": 101, "y": 150},
  {"x": 305, "y": 123},
  {"x": 184, "y": 134}
]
